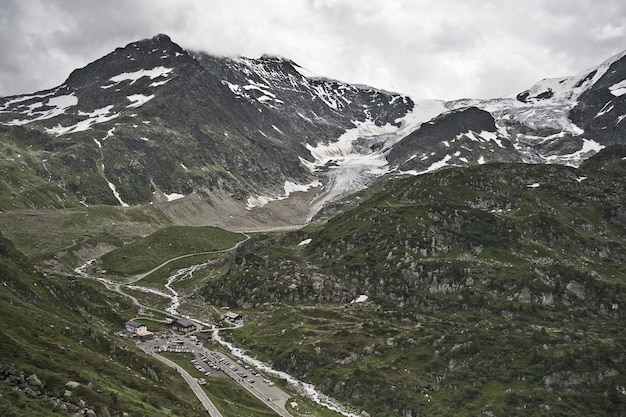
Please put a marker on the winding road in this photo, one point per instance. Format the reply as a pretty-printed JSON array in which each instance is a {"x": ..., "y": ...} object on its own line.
[
  {"x": 276, "y": 401},
  {"x": 193, "y": 384},
  {"x": 279, "y": 407}
]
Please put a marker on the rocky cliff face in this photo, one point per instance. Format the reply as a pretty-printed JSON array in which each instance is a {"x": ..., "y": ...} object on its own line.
[
  {"x": 465, "y": 136},
  {"x": 601, "y": 109}
]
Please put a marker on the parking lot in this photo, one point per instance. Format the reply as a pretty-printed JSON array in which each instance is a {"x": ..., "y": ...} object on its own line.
[{"x": 214, "y": 364}]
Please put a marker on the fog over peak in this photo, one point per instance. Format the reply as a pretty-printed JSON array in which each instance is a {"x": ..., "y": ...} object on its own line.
[{"x": 428, "y": 49}]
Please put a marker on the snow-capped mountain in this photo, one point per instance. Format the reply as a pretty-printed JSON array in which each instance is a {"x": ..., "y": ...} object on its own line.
[{"x": 151, "y": 122}]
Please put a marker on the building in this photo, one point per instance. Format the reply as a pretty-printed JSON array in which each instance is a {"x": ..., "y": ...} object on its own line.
[
  {"x": 203, "y": 337},
  {"x": 233, "y": 317},
  {"x": 182, "y": 324},
  {"x": 138, "y": 330},
  {"x": 133, "y": 327},
  {"x": 144, "y": 335}
]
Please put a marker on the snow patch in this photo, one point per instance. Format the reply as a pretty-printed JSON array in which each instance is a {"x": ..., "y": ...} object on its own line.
[
  {"x": 439, "y": 164},
  {"x": 153, "y": 73},
  {"x": 360, "y": 299},
  {"x": 59, "y": 105},
  {"x": 95, "y": 117},
  {"x": 137, "y": 100},
  {"x": 618, "y": 89},
  {"x": 604, "y": 110},
  {"x": 304, "y": 117},
  {"x": 534, "y": 185},
  {"x": 114, "y": 190},
  {"x": 305, "y": 242},
  {"x": 26, "y": 98},
  {"x": 289, "y": 187},
  {"x": 263, "y": 96},
  {"x": 160, "y": 83},
  {"x": 484, "y": 136},
  {"x": 589, "y": 147},
  {"x": 174, "y": 196}
]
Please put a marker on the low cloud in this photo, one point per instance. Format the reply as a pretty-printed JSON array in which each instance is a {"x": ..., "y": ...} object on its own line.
[{"x": 429, "y": 49}]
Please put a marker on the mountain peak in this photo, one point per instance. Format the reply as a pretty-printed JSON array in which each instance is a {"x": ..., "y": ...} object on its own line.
[
  {"x": 569, "y": 88},
  {"x": 161, "y": 37}
]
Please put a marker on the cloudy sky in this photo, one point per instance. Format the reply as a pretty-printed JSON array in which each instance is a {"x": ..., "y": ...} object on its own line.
[{"x": 443, "y": 49}]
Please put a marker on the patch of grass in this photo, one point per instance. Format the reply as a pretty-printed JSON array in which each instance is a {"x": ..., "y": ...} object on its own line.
[
  {"x": 167, "y": 243},
  {"x": 71, "y": 235},
  {"x": 389, "y": 362}
]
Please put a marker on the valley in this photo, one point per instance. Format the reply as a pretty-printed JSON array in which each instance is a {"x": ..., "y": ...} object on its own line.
[{"x": 387, "y": 256}]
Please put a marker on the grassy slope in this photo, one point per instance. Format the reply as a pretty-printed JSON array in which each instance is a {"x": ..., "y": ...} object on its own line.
[
  {"x": 169, "y": 242},
  {"x": 23, "y": 171},
  {"x": 70, "y": 236},
  {"x": 488, "y": 296},
  {"x": 442, "y": 347},
  {"x": 60, "y": 329}
]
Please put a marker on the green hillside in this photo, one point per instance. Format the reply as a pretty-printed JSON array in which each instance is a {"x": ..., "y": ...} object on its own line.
[
  {"x": 60, "y": 329},
  {"x": 25, "y": 179},
  {"x": 493, "y": 290},
  {"x": 169, "y": 242}
]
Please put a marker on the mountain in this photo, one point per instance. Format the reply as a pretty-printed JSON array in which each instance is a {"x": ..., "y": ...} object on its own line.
[
  {"x": 490, "y": 284},
  {"x": 153, "y": 122},
  {"x": 595, "y": 99},
  {"x": 462, "y": 135},
  {"x": 241, "y": 142}
]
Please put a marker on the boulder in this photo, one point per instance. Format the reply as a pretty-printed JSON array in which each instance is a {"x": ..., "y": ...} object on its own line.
[
  {"x": 72, "y": 385},
  {"x": 72, "y": 408},
  {"x": 34, "y": 381},
  {"x": 31, "y": 392}
]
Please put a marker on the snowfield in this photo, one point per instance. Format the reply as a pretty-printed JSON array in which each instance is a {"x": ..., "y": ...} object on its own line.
[
  {"x": 41, "y": 110},
  {"x": 136, "y": 75}
]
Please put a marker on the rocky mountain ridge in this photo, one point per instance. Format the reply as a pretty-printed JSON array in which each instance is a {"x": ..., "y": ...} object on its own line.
[{"x": 151, "y": 122}]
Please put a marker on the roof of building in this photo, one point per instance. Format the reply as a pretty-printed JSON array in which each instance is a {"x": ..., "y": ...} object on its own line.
[
  {"x": 231, "y": 315},
  {"x": 204, "y": 335},
  {"x": 133, "y": 323},
  {"x": 184, "y": 322}
]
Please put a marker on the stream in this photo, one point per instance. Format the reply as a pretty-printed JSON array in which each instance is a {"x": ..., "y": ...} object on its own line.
[{"x": 306, "y": 389}]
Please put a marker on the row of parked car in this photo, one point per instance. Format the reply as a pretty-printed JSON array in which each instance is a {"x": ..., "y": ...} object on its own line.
[
  {"x": 245, "y": 366},
  {"x": 200, "y": 367}
]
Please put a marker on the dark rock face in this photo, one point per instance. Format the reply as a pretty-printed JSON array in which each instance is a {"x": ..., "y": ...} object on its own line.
[
  {"x": 318, "y": 108},
  {"x": 601, "y": 109},
  {"x": 459, "y": 137}
]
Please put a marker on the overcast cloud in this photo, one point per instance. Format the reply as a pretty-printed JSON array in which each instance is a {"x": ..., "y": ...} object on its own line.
[{"x": 443, "y": 49}]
